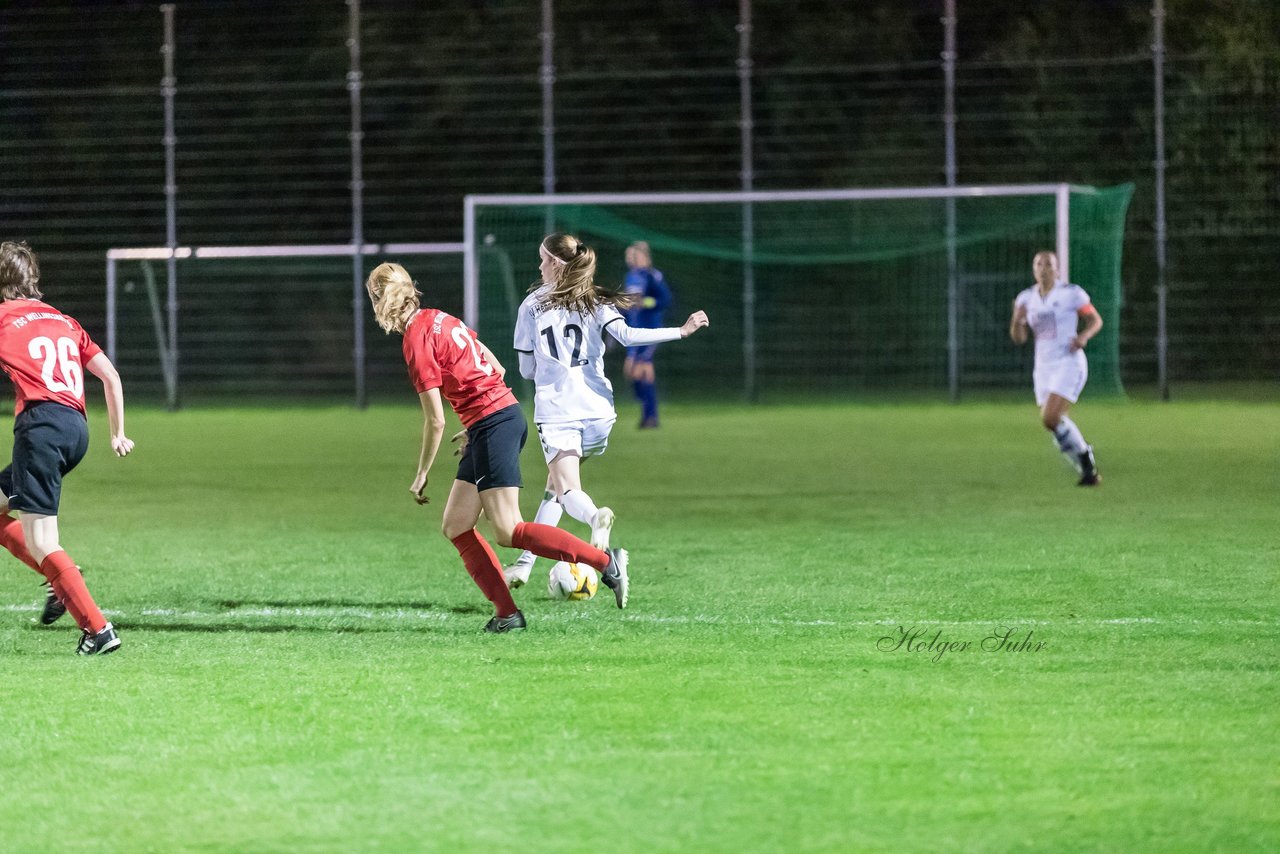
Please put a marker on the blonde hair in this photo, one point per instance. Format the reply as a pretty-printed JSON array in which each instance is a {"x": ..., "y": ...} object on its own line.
[
  {"x": 395, "y": 296},
  {"x": 19, "y": 271},
  {"x": 640, "y": 247},
  {"x": 572, "y": 282}
]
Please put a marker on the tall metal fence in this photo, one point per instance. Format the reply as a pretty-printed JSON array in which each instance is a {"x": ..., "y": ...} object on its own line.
[{"x": 647, "y": 96}]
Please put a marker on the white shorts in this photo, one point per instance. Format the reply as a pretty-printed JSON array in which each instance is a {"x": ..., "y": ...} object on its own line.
[
  {"x": 1065, "y": 378},
  {"x": 585, "y": 438}
]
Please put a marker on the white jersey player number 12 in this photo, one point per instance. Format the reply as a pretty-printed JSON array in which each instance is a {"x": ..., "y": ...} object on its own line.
[{"x": 572, "y": 334}]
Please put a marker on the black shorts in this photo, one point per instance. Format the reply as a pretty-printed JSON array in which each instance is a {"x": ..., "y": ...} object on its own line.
[
  {"x": 494, "y": 443},
  {"x": 49, "y": 440}
]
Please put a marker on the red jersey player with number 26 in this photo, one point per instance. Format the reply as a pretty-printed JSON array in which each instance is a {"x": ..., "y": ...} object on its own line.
[
  {"x": 445, "y": 360},
  {"x": 46, "y": 353}
]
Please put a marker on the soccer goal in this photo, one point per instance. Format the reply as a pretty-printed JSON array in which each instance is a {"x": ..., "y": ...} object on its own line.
[
  {"x": 230, "y": 321},
  {"x": 823, "y": 292}
]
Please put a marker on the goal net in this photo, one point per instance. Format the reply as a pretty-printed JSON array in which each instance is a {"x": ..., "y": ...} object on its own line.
[
  {"x": 823, "y": 292},
  {"x": 266, "y": 321}
]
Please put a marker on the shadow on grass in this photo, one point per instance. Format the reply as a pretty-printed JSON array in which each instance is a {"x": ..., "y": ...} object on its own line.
[
  {"x": 232, "y": 604},
  {"x": 273, "y": 628}
]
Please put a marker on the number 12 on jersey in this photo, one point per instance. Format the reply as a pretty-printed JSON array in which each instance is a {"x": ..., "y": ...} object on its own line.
[{"x": 572, "y": 333}]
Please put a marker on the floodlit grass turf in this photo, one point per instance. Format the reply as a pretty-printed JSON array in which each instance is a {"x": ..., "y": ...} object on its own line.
[{"x": 303, "y": 667}]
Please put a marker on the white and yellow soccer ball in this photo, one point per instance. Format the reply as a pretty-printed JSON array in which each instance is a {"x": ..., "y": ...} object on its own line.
[{"x": 572, "y": 581}]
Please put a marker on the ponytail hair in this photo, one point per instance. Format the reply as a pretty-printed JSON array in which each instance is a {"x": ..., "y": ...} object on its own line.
[
  {"x": 395, "y": 296},
  {"x": 572, "y": 282}
]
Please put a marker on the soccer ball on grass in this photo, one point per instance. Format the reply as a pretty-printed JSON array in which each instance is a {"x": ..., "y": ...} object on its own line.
[{"x": 572, "y": 581}]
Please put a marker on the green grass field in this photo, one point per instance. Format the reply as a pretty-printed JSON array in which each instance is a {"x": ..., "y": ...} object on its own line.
[{"x": 303, "y": 667}]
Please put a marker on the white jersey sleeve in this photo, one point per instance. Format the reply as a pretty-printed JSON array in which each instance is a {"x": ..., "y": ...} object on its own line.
[
  {"x": 525, "y": 326},
  {"x": 1080, "y": 298},
  {"x": 629, "y": 336},
  {"x": 528, "y": 364}
]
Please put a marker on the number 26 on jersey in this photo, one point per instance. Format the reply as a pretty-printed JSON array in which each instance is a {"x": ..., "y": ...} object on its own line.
[{"x": 65, "y": 357}]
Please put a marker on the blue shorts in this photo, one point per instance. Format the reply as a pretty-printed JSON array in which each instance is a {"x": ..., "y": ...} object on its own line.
[
  {"x": 49, "y": 440},
  {"x": 492, "y": 458},
  {"x": 642, "y": 354}
]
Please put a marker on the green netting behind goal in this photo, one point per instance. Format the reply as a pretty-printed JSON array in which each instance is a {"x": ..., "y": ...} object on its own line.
[{"x": 849, "y": 295}]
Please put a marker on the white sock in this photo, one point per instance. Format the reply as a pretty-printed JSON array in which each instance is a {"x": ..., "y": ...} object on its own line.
[
  {"x": 579, "y": 505},
  {"x": 549, "y": 513},
  {"x": 1070, "y": 439}
]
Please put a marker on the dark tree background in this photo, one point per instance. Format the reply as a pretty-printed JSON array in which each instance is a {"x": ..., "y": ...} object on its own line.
[{"x": 846, "y": 94}]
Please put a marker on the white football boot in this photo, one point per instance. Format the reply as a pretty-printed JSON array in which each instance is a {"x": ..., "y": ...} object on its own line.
[
  {"x": 517, "y": 575},
  {"x": 600, "y": 529}
]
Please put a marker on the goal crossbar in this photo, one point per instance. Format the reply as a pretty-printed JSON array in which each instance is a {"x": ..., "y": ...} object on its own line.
[
  {"x": 167, "y": 339},
  {"x": 161, "y": 253},
  {"x": 854, "y": 193}
]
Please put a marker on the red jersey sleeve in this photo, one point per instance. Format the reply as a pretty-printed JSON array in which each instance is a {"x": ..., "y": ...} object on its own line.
[{"x": 88, "y": 349}]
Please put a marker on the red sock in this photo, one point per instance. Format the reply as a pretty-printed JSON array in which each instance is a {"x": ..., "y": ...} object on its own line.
[
  {"x": 551, "y": 542},
  {"x": 485, "y": 571},
  {"x": 12, "y": 538},
  {"x": 67, "y": 582}
]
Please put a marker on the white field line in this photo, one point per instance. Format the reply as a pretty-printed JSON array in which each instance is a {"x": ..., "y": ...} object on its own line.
[{"x": 576, "y": 612}]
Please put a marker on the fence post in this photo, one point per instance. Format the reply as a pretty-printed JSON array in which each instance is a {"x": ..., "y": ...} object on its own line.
[
  {"x": 169, "y": 89},
  {"x": 354, "y": 87},
  {"x": 949, "y": 129},
  {"x": 748, "y": 211},
  {"x": 547, "y": 77},
  {"x": 1162, "y": 288}
]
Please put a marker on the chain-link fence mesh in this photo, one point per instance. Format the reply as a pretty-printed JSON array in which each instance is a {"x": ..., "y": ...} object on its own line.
[{"x": 646, "y": 99}]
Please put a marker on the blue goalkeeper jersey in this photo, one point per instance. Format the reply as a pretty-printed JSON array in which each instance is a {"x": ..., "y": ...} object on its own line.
[{"x": 654, "y": 294}]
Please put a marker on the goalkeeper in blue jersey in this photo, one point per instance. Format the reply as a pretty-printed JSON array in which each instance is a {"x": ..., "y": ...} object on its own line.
[{"x": 652, "y": 296}]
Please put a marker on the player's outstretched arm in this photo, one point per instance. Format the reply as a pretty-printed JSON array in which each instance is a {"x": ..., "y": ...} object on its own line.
[
  {"x": 1018, "y": 324},
  {"x": 696, "y": 321},
  {"x": 100, "y": 366},
  {"x": 432, "y": 430},
  {"x": 630, "y": 336}
]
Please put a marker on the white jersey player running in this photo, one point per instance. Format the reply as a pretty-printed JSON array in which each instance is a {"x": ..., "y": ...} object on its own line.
[
  {"x": 559, "y": 338},
  {"x": 1052, "y": 309}
]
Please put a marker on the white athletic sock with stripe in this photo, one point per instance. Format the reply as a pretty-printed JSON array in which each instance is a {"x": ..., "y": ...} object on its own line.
[
  {"x": 1070, "y": 439},
  {"x": 549, "y": 513},
  {"x": 579, "y": 505}
]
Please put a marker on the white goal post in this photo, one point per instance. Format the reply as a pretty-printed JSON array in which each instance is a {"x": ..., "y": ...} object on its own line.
[
  {"x": 166, "y": 318},
  {"x": 1060, "y": 192}
]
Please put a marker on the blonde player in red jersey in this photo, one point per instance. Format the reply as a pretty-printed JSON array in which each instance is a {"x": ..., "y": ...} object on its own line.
[
  {"x": 1052, "y": 310},
  {"x": 559, "y": 337},
  {"x": 45, "y": 353},
  {"x": 446, "y": 360}
]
